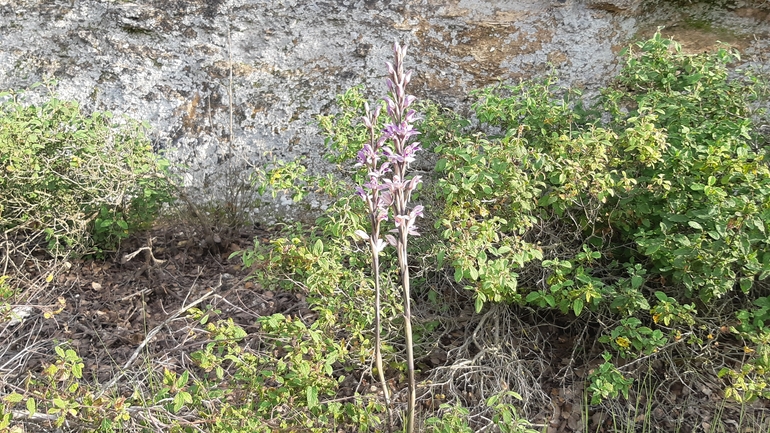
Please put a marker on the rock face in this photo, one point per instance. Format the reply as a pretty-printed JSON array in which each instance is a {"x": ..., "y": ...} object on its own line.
[
  {"x": 627, "y": 6},
  {"x": 189, "y": 67}
]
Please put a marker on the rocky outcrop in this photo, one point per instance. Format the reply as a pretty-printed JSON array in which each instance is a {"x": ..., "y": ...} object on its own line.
[
  {"x": 185, "y": 67},
  {"x": 616, "y": 6}
]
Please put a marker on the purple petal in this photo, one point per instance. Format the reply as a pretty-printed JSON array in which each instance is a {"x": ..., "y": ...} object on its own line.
[
  {"x": 384, "y": 168},
  {"x": 382, "y": 213},
  {"x": 379, "y": 245},
  {"x": 414, "y": 146},
  {"x": 392, "y": 156},
  {"x": 400, "y": 91},
  {"x": 412, "y": 184},
  {"x": 402, "y": 221},
  {"x": 386, "y": 199},
  {"x": 391, "y": 107},
  {"x": 416, "y": 212}
]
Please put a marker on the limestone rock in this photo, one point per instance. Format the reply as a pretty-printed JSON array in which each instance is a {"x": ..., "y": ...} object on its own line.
[
  {"x": 615, "y": 6},
  {"x": 173, "y": 63}
]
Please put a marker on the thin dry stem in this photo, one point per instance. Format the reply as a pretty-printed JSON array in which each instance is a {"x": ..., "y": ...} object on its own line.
[{"x": 152, "y": 334}]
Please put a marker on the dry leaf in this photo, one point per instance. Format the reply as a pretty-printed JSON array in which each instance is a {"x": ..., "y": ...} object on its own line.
[{"x": 96, "y": 286}]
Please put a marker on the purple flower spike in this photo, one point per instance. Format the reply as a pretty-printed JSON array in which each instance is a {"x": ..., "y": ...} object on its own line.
[{"x": 386, "y": 157}]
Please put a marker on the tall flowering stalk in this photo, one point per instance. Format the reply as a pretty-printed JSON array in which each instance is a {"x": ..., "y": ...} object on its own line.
[
  {"x": 387, "y": 159},
  {"x": 377, "y": 202}
]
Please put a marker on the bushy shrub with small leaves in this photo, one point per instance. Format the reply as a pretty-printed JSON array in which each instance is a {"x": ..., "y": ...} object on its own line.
[
  {"x": 73, "y": 181},
  {"x": 644, "y": 212}
]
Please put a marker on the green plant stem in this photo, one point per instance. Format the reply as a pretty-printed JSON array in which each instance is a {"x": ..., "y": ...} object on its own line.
[{"x": 378, "y": 331}]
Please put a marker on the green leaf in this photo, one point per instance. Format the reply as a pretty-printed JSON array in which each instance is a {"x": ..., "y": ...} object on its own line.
[
  {"x": 71, "y": 356},
  {"x": 440, "y": 258},
  {"x": 318, "y": 248},
  {"x": 312, "y": 396},
  {"x": 13, "y": 397},
  {"x": 577, "y": 306},
  {"x": 550, "y": 300},
  {"x": 474, "y": 273},
  {"x": 652, "y": 248},
  {"x": 479, "y": 304},
  {"x": 482, "y": 257},
  {"x": 532, "y": 296},
  {"x": 77, "y": 370},
  {"x": 178, "y": 402},
  {"x": 182, "y": 380},
  {"x": 695, "y": 225},
  {"x": 458, "y": 274},
  {"x": 636, "y": 281},
  {"x": 31, "y": 406},
  {"x": 746, "y": 284}
]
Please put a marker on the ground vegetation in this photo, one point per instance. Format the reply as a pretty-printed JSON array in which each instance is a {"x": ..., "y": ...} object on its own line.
[{"x": 583, "y": 265}]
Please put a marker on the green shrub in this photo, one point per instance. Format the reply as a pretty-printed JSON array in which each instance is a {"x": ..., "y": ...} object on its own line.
[
  {"x": 284, "y": 385},
  {"x": 700, "y": 215},
  {"x": 641, "y": 213},
  {"x": 659, "y": 195},
  {"x": 75, "y": 181}
]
